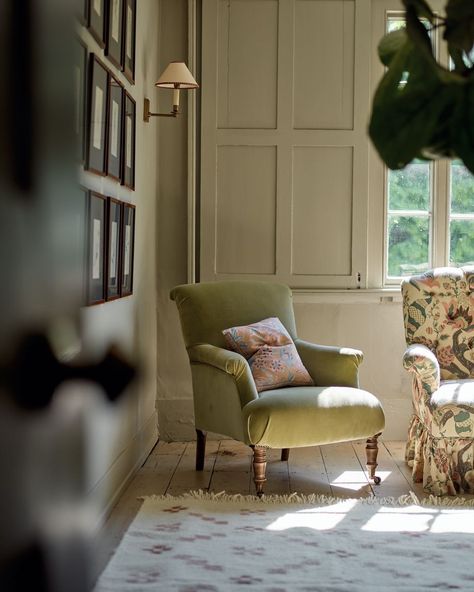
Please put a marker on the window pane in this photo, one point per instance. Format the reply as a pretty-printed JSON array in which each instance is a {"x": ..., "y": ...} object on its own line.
[
  {"x": 409, "y": 189},
  {"x": 461, "y": 242},
  {"x": 462, "y": 189},
  {"x": 408, "y": 245},
  {"x": 394, "y": 23}
]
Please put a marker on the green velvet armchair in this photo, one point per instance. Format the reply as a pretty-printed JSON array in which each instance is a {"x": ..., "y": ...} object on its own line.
[{"x": 225, "y": 397}]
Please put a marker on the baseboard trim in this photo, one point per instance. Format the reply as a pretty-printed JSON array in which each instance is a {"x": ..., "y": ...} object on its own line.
[{"x": 124, "y": 468}]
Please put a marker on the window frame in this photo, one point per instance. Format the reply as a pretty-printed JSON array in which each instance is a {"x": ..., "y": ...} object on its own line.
[{"x": 440, "y": 214}]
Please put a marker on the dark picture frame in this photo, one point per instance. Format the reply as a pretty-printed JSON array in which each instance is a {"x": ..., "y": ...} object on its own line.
[
  {"x": 97, "y": 116},
  {"x": 114, "y": 45},
  {"x": 82, "y": 11},
  {"x": 82, "y": 233},
  {"x": 128, "y": 248},
  {"x": 114, "y": 231},
  {"x": 129, "y": 39},
  {"x": 96, "y": 248},
  {"x": 96, "y": 20},
  {"x": 128, "y": 153},
  {"x": 80, "y": 98},
  {"x": 115, "y": 120}
]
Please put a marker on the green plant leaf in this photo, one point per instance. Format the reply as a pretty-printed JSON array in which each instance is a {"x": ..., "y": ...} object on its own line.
[
  {"x": 456, "y": 55},
  {"x": 418, "y": 33},
  {"x": 390, "y": 44},
  {"x": 405, "y": 116},
  {"x": 459, "y": 31},
  {"x": 421, "y": 8}
]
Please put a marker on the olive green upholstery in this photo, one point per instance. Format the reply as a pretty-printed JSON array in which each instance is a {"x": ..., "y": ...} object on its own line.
[{"x": 225, "y": 398}]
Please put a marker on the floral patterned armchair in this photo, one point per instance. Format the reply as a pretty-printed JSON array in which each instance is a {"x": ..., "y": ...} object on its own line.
[{"x": 438, "y": 311}]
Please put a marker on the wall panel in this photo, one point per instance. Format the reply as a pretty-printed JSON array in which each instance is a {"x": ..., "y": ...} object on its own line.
[
  {"x": 247, "y": 63},
  {"x": 324, "y": 64},
  {"x": 322, "y": 210},
  {"x": 246, "y": 209}
]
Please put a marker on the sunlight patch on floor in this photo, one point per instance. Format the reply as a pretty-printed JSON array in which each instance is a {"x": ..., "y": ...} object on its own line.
[
  {"x": 416, "y": 519},
  {"x": 355, "y": 480},
  {"x": 324, "y": 518}
]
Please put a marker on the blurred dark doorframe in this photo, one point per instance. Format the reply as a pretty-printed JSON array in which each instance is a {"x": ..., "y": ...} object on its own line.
[{"x": 44, "y": 520}]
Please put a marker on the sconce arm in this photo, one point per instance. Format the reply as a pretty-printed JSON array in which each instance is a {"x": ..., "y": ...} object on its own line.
[{"x": 147, "y": 113}]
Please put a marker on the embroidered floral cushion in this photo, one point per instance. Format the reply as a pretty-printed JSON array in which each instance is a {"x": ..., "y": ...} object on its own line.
[
  {"x": 248, "y": 339},
  {"x": 277, "y": 366},
  {"x": 273, "y": 358}
]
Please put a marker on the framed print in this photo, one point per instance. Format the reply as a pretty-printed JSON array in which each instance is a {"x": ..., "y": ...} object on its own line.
[
  {"x": 96, "y": 249},
  {"x": 97, "y": 117},
  {"x": 114, "y": 42},
  {"x": 81, "y": 233},
  {"x": 128, "y": 168},
  {"x": 82, "y": 11},
  {"x": 129, "y": 27},
  {"x": 80, "y": 83},
  {"x": 115, "y": 126},
  {"x": 128, "y": 248},
  {"x": 114, "y": 228},
  {"x": 96, "y": 20}
]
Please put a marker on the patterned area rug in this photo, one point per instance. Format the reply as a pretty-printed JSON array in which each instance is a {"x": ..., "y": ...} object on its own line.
[{"x": 215, "y": 543}]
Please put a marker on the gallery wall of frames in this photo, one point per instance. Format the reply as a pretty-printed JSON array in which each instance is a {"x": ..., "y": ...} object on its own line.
[{"x": 105, "y": 127}]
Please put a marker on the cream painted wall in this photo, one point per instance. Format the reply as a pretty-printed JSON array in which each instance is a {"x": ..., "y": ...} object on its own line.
[
  {"x": 174, "y": 377},
  {"x": 119, "y": 438},
  {"x": 375, "y": 327}
]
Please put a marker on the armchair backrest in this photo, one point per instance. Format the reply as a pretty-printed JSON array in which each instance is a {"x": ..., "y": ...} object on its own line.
[
  {"x": 207, "y": 309},
  {"x": 438, "y": 311}
]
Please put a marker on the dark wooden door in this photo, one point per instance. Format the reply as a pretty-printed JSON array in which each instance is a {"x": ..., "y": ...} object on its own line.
[{"x": 45, "y": 522}]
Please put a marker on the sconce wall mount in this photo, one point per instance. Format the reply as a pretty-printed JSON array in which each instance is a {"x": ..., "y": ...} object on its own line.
[{"x": 176, "y": 76}]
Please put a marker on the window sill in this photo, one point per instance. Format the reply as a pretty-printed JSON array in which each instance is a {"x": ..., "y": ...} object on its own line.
[{"x": 368, "y": 296}]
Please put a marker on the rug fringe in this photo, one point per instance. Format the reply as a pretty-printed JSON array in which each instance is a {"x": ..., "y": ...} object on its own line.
[{"x": 409, "y": 499}]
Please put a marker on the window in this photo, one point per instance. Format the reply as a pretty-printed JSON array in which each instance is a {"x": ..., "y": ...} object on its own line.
[
  {"x": 429, "y": 209},
  {"x": 461, "y": 215}
]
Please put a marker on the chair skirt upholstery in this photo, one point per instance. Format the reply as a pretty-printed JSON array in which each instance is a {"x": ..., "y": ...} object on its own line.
[{"x": 440, "y": 447}]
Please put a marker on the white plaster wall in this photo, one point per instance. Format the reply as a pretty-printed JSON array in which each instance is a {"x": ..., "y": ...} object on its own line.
[{"x": 120, "y": 437}]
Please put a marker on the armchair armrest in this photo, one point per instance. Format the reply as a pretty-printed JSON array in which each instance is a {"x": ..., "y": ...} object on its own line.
[
  {"x": 423, "y": 363},
  {"x": 330, "y": 366},
  {"x": 229, "y": 362}
]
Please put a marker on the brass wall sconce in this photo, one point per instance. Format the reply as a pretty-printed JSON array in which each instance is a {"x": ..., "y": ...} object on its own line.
[{"x": 176, "y": 76}]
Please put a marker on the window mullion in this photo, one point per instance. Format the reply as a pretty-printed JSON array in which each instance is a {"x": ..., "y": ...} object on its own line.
[{"x": 441, "y": 184}]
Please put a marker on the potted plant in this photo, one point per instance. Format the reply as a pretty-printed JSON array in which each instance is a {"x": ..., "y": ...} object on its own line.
[{"x": 421, "y": 109}]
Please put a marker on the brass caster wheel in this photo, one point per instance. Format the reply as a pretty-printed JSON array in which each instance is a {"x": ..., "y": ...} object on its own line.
[{"x": 377, "y": 480}]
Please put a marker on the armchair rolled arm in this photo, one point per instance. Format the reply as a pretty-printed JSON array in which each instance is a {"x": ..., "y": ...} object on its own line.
[
  {"x": 229, "y": 362},
  {"x": 330, "y": 366},
  {"x": 420, "y": 360}
]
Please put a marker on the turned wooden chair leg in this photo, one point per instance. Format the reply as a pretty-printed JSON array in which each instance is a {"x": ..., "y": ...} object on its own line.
[
  {"x": 259, "y": 468},
  {"x": 200, "y": 449},
  {"x": 285, "y": 454},
  {"x": 371, "y": 451}
]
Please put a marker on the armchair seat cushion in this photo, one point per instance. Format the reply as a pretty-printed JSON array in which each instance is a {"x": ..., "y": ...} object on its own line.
[
  {"x": 308, "y": 416},
  {"x": 453, "y": 407}
]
